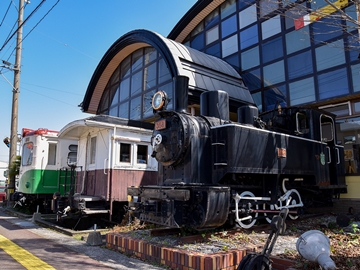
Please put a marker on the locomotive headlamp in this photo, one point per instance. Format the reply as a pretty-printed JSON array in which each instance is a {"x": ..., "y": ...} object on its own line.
[{"x": 159, "y": 100}]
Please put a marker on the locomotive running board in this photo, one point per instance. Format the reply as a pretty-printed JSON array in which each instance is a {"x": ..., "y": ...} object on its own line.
[
  {"x": 93, "y": 212},
  {"x": 161, "y": 193}
]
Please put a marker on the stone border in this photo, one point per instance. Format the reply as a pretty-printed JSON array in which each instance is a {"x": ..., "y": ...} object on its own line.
[{"x": 182, "y": 259}]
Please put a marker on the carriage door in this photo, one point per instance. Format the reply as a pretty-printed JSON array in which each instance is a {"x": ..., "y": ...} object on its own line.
[{"x": 335, "y": 158}]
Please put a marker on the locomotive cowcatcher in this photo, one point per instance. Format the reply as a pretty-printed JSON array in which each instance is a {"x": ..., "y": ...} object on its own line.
[{"x": 213, "y": 170}]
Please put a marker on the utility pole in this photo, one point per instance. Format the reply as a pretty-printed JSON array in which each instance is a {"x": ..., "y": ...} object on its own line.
[{"x": 15, "y": 101}]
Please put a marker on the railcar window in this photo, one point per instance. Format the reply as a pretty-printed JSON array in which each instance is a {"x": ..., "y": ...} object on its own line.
[
  {"x": 27, "y": 154},
  {"x": 125, "y": 152},
  {"x": 301, "y": 123},
  {"x": 142, "y": 151},
  {"x": 72, "y": 155},
  {"x": 327, "y": 129},
  {"x": 52, "y": 154},
  {"x": 92, "y": 150}
]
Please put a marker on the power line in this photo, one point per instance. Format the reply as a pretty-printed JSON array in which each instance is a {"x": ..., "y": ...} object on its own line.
[
  {"x": 5, "y": 14},
  {"x": 49, "y": 97},
  {"x": 53, "y": 89},
  {"x": 33, "y": 27},
  {"x": 41, "y": 19},
  {"x": 31, "y": 14}
]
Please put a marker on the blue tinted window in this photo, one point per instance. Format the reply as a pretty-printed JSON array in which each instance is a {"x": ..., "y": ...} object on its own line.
[
  {"x": 243, "y": 4},
  {"x": 250, "y": 58},
  {"x": 214, "y": 50},
  {"x": 300, "y": 64},
  {"x": 268, "y": 6},
  {"x": 330, "y": 55},
  {"x": 247, "y": 16},
  {"x": 272, "y": 49},
  {"x": 233, "y": 60},
  {"x": 274, "y": 73},
  {"x": 228, "y": 26},
  {"x": 302, "y": 91},
  {"x": 124, "y": 110},
  {"x": 227, "y": 8},
  {"x": 326, "y": 29},
  {"x": 355, "y": 72},
  {"x": 212, "y": 19},
  {"x": 163, "y": 71},
  {"x": 350, "y": 26},
  {"x": 212, "y": 35},
  {"x": 258, "y": 100},
  {"x": 230, "y": 46},
  {"x": 113, "y": 110},
  {"x": 353, "y": 45},
  {"x": 249, "y": 37},
  {"x": 271, "y": 27},
  {"x": 333, "y": 84},
  {"x": 275, "y": 96},
  {"x": 198, "y": 42},
  {"x": 135, "y": 108},
  {"x": 136, "y": 83},
  {"x": 252, "y": 79},
  {"x": 297, "y": 40},
  {"x": 115, "y": 100}
]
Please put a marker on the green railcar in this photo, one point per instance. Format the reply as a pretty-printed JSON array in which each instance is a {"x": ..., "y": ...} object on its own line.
[{"x": 47, "y": 167}]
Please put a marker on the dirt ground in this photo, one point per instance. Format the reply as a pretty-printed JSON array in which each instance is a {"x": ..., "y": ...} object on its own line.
[{"x": 344, "y": 240}]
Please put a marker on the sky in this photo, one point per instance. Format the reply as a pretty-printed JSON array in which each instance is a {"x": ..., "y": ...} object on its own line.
[{"x": 63, "y": 42}]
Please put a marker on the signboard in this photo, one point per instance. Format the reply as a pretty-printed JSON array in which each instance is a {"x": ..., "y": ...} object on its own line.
[{"x": 320, "y": 13}]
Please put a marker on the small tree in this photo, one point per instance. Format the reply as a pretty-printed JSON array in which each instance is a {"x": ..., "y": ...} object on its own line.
[{"x": 15, "y": 167}]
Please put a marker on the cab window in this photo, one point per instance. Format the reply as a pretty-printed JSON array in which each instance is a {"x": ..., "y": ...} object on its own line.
[
  {"x": 27, "y": 154},
  {"x": 301, "y": 123},
  {"x": 52, "y": 154},
  {"x": 327, "y": 129}
]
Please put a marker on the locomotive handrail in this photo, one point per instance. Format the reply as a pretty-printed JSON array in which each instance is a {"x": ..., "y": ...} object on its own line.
[
  {"x": 338, "y": 156},
  {"x": 329, "y": 150}
]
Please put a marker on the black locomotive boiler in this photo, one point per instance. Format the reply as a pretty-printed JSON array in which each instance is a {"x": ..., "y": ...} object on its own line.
[{"x": 213, "y": 170}]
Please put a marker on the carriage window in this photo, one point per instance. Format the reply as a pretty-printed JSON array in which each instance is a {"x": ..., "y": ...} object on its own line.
[
  {"x": 301, "y": 123},
  {"x": 92, "y": 150},
  {"x": 72, "y": 155},
  {"x": 27, "y": 154},
  {"x": 52, "y": 154},
  {"x": 125, "y": 152},
  {"x": 142, "y": 151},
  {"x": 327, "y": 129}
]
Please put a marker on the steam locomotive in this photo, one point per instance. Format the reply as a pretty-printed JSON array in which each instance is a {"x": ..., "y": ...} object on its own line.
[{"x": 214, "y": 171}]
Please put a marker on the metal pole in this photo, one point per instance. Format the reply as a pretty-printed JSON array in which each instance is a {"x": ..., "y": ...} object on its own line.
[{"x": 16, "y": 91}]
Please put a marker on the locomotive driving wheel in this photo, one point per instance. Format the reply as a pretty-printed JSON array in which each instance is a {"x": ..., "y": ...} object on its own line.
[
  {"x": 294, "y": 199},
  {"x": 269, "y": 215},
  {"x": 248, "y": 219}
]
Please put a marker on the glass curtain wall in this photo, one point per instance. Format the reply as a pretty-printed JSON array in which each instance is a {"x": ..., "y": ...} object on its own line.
[
  {"x": 131, "y": 87},
  {"x": 281, "y": 65}
]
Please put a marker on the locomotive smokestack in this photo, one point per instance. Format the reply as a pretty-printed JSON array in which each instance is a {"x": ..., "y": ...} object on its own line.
[{"x": 181, "y": 86}]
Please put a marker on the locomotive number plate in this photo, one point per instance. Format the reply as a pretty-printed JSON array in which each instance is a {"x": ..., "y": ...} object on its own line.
[
  {"x": 281, "y": 152},
  {"x": 161, "y": 124}
]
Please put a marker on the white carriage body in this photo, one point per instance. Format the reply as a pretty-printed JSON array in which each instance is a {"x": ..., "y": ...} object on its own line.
[{"x": 113, "y": 154}]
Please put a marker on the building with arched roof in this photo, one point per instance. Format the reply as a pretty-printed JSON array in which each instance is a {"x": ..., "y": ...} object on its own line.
[{"x": 265, "y": 46}]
